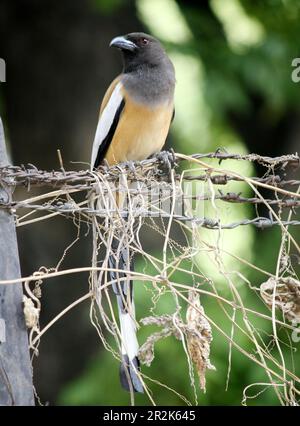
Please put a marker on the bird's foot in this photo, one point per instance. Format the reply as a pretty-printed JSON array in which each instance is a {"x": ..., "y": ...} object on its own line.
[
  {"x": 130, "y": 166},
  {"x": 105, "y": 166},
  {"x": 167, "y": 160}
]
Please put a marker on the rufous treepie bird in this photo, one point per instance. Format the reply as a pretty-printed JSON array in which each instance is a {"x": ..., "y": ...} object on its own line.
[{"x": 135, "y": 117}]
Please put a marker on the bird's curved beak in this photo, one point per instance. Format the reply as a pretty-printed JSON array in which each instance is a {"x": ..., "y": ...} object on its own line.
[{"x": 122, "y": 43}]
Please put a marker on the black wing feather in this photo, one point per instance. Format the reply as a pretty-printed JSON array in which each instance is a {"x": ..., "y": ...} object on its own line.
[{"x": 108, "y": 138}]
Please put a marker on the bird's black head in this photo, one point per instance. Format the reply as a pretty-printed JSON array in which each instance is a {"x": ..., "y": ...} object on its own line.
[{"x": 139, "y": 49}]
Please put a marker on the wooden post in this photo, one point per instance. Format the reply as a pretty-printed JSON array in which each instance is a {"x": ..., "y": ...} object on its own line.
[{"x": 15, "y": 367}]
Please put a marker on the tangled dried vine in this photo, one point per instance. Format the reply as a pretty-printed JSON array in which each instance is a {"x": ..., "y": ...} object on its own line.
[{"x": 181, "y": 206}]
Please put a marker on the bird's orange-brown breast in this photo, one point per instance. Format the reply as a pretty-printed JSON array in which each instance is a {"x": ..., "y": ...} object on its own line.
[{"x": 142, "y": 130}]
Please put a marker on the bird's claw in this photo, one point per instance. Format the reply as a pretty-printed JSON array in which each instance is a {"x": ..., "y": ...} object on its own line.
[
  {"x": 104, "y": 165},
  {"x": 130, "y": 166},
  {"x": 167, "y": 160}
]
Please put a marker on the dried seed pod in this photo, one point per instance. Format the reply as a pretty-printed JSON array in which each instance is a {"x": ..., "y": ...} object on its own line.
[{"x": 199, "y": 337}]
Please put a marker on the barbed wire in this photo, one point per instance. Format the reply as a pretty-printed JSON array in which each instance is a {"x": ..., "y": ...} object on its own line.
[
  {"x": 69, "y": 208},
  {"x": 31, "y": 175},
  {"x": 230, "y": 197},
  {"x": 290, "y": 159},
  {"x": 149, "y": 171}
]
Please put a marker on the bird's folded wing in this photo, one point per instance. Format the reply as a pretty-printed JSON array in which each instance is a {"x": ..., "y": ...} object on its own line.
[{"x": 110, "y": 112}]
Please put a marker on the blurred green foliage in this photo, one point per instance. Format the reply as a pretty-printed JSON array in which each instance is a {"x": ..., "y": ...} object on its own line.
[
  {"x": 234, "y": 70},
  {"x": 107, "y": 7}
]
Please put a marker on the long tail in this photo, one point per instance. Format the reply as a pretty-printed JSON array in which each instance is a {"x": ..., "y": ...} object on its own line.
[{"x": 120, "y": 259}]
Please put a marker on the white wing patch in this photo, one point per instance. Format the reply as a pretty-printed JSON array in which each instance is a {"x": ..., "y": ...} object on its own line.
[
  {"x": 129, "y": 342},
  {"x": 106, "y": 119}
]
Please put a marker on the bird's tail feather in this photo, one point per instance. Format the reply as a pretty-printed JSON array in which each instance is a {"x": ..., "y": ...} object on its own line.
[
  {"x": 130, "y": 366},
  {"x": 128, "y": 376}
]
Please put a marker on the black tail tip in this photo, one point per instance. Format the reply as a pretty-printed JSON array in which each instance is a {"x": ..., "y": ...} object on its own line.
[{"x": 129, "y": 379}]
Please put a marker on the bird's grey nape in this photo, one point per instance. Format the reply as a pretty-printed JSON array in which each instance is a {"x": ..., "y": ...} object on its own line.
[{"x": 151, "y": 84}]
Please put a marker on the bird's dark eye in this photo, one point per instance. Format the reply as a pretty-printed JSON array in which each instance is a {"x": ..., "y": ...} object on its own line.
[{"x": 144, "y": 41}]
